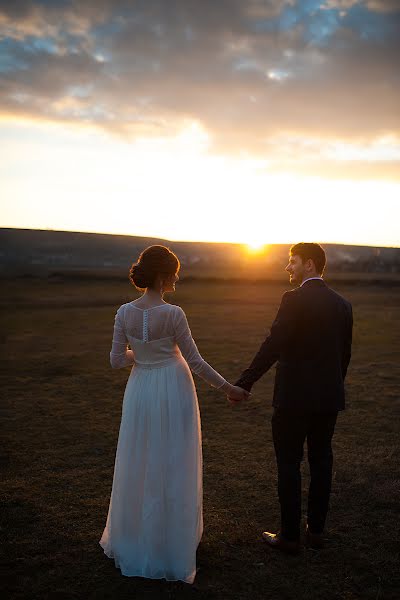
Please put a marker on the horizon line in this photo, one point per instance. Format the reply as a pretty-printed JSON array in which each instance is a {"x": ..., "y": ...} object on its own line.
[{"x": 195, "y": 241}]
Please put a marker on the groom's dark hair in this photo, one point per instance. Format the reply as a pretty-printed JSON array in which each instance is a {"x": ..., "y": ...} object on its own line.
[{"x": 313, "y": 251}]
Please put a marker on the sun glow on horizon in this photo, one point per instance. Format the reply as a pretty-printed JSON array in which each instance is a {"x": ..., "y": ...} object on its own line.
[{"x": 256, "y": 247}]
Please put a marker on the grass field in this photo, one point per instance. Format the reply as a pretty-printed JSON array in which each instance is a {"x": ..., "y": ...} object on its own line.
[{"x": 60, "y": 417}]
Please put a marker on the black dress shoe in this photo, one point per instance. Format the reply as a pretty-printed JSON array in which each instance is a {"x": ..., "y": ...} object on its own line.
[
  {"x": 314, "y": 540},
  {"x": 275, "y": 540}
]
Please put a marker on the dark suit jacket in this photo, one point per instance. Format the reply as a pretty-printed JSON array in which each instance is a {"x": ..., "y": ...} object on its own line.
[{"x": 311, "y": 340}]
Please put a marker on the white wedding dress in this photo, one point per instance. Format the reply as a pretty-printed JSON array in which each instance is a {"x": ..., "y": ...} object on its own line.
[{"x": 155, "y": 518}]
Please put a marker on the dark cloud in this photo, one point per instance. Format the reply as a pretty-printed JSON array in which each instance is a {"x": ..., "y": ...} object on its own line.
[{"x": 247, "y": 71}]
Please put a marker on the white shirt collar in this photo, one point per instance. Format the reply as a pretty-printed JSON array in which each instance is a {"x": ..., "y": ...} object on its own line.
[{"x": 309, "y": 279}]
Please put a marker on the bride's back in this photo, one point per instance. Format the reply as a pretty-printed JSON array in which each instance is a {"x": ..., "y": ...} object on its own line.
[
  {"x": 151, "y": 332},
  {"x": 149, "y": 324}
]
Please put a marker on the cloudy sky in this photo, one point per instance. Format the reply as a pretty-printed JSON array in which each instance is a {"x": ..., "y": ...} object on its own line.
[{"x": 227, "y": 120}]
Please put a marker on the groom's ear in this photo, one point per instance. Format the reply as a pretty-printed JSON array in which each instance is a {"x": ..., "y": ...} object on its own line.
[{"x": 309, "y": 264}]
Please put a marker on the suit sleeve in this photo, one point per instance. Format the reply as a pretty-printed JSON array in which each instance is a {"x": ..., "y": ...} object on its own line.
[
  {"x": 270, "y": 349},
  {"x": 347, "y": 341}
]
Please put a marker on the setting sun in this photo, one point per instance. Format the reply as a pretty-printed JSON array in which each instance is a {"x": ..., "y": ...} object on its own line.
[{"x": 255, "y": 247}]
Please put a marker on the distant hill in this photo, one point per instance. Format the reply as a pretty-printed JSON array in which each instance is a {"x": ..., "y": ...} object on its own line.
[{"x": 44, "y": 253}]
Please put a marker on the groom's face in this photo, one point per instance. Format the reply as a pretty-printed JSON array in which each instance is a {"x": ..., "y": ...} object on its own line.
[{"x": 295, "y": 268}]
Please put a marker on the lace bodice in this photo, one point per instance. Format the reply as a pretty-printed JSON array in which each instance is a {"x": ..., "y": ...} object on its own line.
[{"x": 154, "y": 335}]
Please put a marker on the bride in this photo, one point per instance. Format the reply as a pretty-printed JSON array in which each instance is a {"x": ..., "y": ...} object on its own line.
[{"x": 155, "y": 517}]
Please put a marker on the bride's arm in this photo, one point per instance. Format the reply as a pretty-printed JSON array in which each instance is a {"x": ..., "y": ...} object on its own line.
[
  {"x": 194, "y": 359},
  {"x": 120, "y": 356}
]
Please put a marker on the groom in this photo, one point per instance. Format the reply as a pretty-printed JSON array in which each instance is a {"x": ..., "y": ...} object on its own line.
[{"x": 310, "y": 340}]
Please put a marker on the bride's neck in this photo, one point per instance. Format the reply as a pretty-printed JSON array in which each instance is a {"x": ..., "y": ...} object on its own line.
[{"x": 152, "y": 295}]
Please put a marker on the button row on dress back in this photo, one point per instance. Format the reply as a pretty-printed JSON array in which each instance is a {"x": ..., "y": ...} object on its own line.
[{"x": 145, "y": 326}]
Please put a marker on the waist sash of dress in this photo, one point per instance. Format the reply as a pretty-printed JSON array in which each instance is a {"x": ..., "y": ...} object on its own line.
[{"x": 159, "y": 364}]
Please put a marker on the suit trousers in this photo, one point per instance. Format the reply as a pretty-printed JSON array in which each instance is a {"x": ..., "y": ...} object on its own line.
[{"x": 289, "y": 431}]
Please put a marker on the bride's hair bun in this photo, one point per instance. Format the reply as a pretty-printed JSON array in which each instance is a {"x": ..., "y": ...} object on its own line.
[
  {"x": 138, "y": 277},
  {"x": 154, "y": 261}
]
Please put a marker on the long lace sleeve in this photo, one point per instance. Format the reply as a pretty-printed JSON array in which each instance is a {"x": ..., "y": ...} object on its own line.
[
  {"x": 191, "y": 354},
  {"x": 120, "y": 356}
]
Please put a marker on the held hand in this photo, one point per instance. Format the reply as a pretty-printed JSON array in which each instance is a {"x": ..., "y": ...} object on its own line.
[{"x": 237, "y": 394}]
